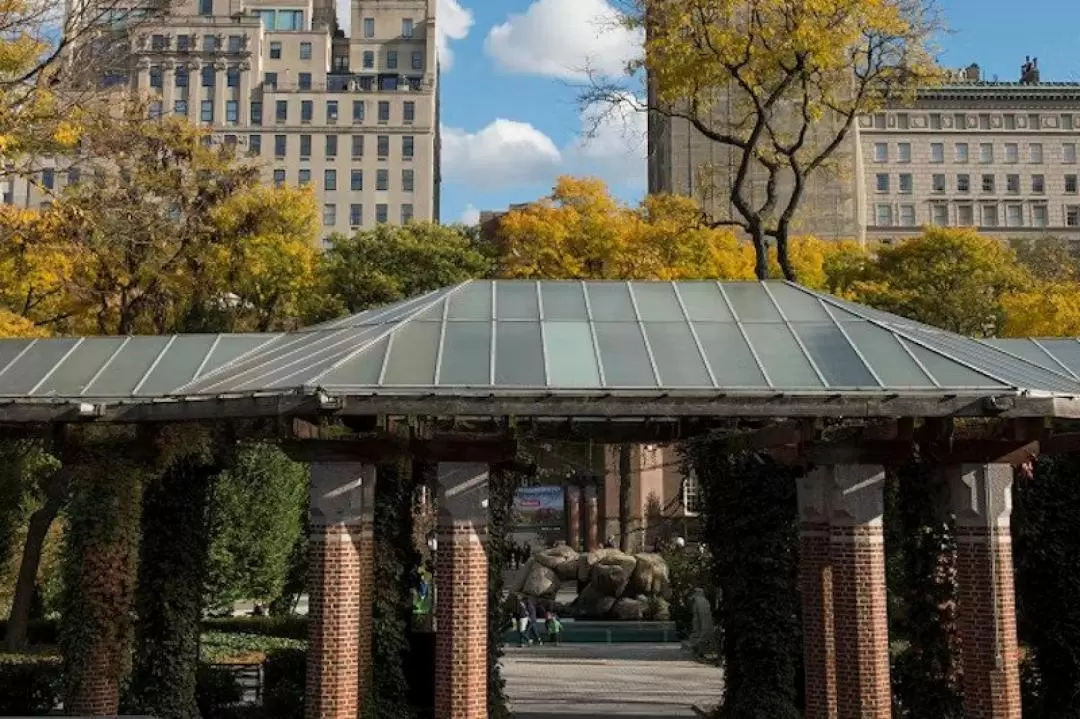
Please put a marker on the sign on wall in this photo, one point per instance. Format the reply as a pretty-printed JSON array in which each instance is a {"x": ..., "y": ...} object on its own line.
[{"x": 538, "y": 509}]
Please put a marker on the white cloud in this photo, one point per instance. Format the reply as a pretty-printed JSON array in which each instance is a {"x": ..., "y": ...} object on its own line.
[
  {"x": 452, "y": 22},
  {"x": 507, "y": 153},
  {"x": 565, "y": 39},
  {"x": 470, "y": 215}
]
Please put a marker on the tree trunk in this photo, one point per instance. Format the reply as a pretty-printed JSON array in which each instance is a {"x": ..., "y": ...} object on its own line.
[
  {"x": 782, "y": 255},
  {"x": 761, "y": 253},
  {"x": 55, "y": 491},
  {"x": 625, "y": 454}
]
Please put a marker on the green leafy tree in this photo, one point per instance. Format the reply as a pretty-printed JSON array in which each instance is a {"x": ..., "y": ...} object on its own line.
[{"x": 255, "y": 521}]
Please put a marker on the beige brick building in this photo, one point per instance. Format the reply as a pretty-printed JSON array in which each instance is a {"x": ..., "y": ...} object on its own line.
[
  {"x": 1000, "y": 157},
  {"x": 354, "y": 117}
]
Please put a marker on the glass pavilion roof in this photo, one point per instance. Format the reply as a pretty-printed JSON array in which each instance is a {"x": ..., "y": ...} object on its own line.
[{"x": 523, "y": 336}]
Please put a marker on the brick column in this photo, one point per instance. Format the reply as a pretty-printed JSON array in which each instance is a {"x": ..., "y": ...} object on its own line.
[
  {"x": 461, "y": 580},
  {"x": 860, "y": 621},
  {"x": 573, "y": 517},
  {"x": 339, "y": 589},
  {"x": 816, "y": 588},
  {"x": 981, "y": 497},
  {"x": 592, "y": 519}
]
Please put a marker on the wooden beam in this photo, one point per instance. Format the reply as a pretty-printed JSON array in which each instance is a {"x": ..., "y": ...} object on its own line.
[{"x": 382, "y": 447}]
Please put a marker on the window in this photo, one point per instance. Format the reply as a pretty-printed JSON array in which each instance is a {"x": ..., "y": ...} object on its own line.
[
  {"x": 206, "y": 111},
  {"x": 986, "y": 153},
  {"x": 305, "y": 51},
  {"x": 1038, "y": 216},
  {"x": 208, "y": 76},
  {"x": 48, "y": 178},
  {"x": 907, "y": 215},
  {"x": 73, "y": 175},
  {"x": 1066, "y": 122},
  {"x": 232, "y": 76},
  {"x": 280, "y": 144},
  {"x": 407, "y": 180},
  {"x": 408, "y": 145},
  {"x": 1012, "y": 184},
  {"x": 209, "y": 43},
  {"x": 267, "y": 17},
  {"x": 937, "y": 184},
  {"x": 1068, "y": 153},
  {"x": 1036, "y": 150},
  {"x": 206, "y": 7},
  {"x": 155, "y": 112},
  {"x": 369, "y": 27},
  {"x": 988, "y": 184},
  {"x": 270, "y": 80},
  {"x": 356, "y": 181},
  {"x": 357, "y": 145},
  {"x": 381, "y": 213},
  {"x": 330, "y": 179},
  {"x": 275, "y": 50},
  {"x": 882, "y": 182},
  {"x": 232, "y": 112},
  {"x": 902, "y": 121},
  {"x": 883, "y": 215},
  {"x": 965, "y": 215},
  {"x": 959, "y": 121},
  {"x": 279, "y": 178},
  {"x": 180, "y": 107},
  {"x": 156, "y": 77},
  {"x": 307, "y": 110},
  {"x": 304, "y": 80},
  {"x": 406, "y": 212},
  {"x": 1072, "y": 215},
  {"x": 906, "y": 183},
  {"x": 340, "y": 63},
  {"x": 369, "y": 60},
  {"x": 417, "y": 61},
  {"x": 1014, "y": 215},
  {"x": 1034, "y": 121},
  {"x": 256, "y": 113},
  {"x": 281, "y": 111},
  {"x": 989, "y": 216},
  {"x": 357, "y": 111},
  {"x": 963, "y": 183},
  {"x": 391, "y": 59},
  {"x": 984, "y": 122},
  {"x": 254, "y": 144},
  {"x": 157, "y": 42},
  {"x": 408, "y": 113},
  {"x": 331, "y": 146},
  {"x": 356, "y": 215},
  {"x": 305, "y": 146},
  {"x": 382, "y": 180},
  {"x": 937, "y": 152},
  {"x": 230, "y": 141},
  {"x": 384, "y": 112},
  {"x": 881, "y": 152},
  {"x": 289, "y": 20},
  {"x": 382, "y": 146},
  {"x": 181, "y": 77},
  {"x": 879, "y": 121},
  {"x": 331, "y": 112},
  {"x": 1010, "y": 122},
  {"x": 236, "y": 43},
  {"x": 183, "y": 43},
  {"x": 1070, "y": 184},
  {"x": 961, "y": 152},
  {"x": 406, "y": 27},
  {"x": 388, "y": 82},
  {"x": 1038, "y": 184},
  {"x": 329, "y": 214},
  {"x": 304, "y": 177},
  {"x": 935, "y": 120}
]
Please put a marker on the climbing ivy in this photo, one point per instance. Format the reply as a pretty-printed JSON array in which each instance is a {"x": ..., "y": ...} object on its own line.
[
  {"x": 101, "y": 559},
  {"x": 750, "y": 516},
  {"x": 502, "y": 484}
]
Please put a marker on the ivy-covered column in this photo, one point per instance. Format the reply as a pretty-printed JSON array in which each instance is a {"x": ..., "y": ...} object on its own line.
[
  {"x": 461, "y": 579},
  {"x": 816, "y": 589},
  {"x": 339, "y": 588},
  {"x": 981, "y": 497}
]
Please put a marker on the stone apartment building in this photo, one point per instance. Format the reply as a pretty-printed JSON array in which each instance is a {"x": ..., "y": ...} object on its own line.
[
  {"x": 356, "y": 118},
  {"x": 1000, "y": 157}
]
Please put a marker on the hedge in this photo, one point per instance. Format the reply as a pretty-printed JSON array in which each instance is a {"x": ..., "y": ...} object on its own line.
[
  {"x": 281, "y": 627},
  {"x": 39, "y": 632},
  {"x": 30, "y": 684}
]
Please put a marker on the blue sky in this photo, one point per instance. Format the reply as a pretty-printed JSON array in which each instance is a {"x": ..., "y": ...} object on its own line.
[{"x": 511, "y": 119}]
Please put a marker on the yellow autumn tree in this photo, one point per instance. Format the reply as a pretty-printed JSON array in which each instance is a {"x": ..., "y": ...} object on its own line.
[
  {"x": 1050, "y": 306},
  {"x": 581, "y": 231}
]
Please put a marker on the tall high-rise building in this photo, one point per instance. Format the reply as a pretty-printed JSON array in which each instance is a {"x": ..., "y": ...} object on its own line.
[{"x": 356, "y": 118}]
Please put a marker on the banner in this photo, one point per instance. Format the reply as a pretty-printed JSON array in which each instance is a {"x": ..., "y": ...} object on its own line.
[{"x": 538, "y": 509}]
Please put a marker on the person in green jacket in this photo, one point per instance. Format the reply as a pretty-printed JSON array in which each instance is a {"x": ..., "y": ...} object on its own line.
[{"x": 554, "y": 628}]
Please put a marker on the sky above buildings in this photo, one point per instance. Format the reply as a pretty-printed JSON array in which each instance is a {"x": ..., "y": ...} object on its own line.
[{"x": 514, "y": 70}]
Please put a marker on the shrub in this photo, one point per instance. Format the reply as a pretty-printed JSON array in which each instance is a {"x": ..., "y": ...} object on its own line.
[
  {"x": 657, "y": 609},
  {"x": 216, "y": 691},
  {"x": 222, "y": 647},
  {"x": 282, "y": 627},
  {"x": 284, "y": 675},
  {"x": 30, "y": 685},
  {"x": 39, "y": 632}
]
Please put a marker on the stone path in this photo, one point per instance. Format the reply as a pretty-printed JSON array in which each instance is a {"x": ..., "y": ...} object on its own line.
[{"x": 576, "y": 681}]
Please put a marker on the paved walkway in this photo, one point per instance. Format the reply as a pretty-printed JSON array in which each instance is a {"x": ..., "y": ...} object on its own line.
[{"x": 579, "y": 681}]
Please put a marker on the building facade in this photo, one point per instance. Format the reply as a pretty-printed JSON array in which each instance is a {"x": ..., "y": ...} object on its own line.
[
  {"x": 999, "y": 157},
  {"x": 356, "y": 118}
]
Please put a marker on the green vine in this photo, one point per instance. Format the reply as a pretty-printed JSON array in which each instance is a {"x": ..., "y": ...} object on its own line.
[
  {"x": 749, "y": 507},
  {"x": 101, "y": 563},
  {"x": 501, "y": 486}
]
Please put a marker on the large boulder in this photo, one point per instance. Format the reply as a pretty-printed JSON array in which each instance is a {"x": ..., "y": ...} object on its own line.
[
  {"x": 592, "y": 603},
  {"x": 627, "y": 609},
  {"x": 650, "y": 576},
  {"x": 589, "y": 560},
  {"x": 612, "y": 574},
  {"x": 540, "y": 582},
  {"x": 555, "y": 556},
  {"x": 568, "y": 570}
]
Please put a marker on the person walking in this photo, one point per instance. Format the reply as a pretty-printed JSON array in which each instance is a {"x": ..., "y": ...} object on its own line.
[
  {"x": 521, "y": 621},
  {"x": 531, "y": 632},
  {"x": 554, "y": 628}
]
